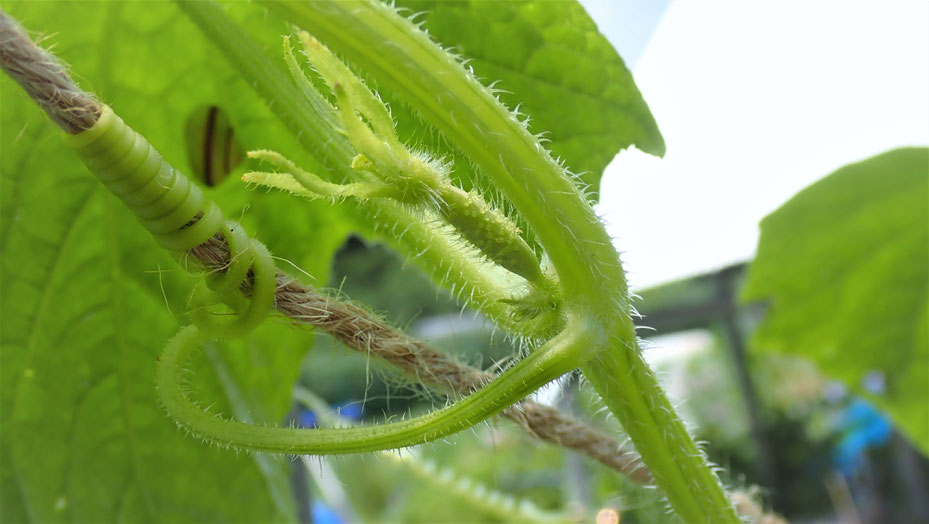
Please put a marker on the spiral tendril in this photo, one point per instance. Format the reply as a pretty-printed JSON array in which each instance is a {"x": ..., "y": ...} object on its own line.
[
  {"x": 180, "y": 218},
  {"x": 170, "y": 207}
]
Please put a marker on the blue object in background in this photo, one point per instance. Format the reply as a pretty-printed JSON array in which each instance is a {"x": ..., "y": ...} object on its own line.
[
  {"x": 352, "y": 410},
  {"x": 306, "y": 418},
  {"x": 323, "y": 514},
  {"x": 862, "y": 427}
]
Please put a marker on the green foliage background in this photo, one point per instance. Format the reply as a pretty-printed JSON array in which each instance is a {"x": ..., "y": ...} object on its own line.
[{"x": 88, "y": 299}]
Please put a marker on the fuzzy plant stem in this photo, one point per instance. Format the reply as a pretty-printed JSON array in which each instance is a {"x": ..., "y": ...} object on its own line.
[
  {"x": 403, "y": 59},
  {"x": 358, "y": 329},
  {"x": 439, "y": 255},
  {"x": 547, "y": 363},
  {"x": 46, "y": 81}
]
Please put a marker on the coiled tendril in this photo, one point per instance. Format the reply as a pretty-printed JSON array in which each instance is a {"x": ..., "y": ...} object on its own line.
[
  {"x": 180, "y": 218},
  {"x": 164, "y": 200}
]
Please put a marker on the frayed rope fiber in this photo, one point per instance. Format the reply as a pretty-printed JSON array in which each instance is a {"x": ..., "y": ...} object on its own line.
[{"x": 45, "y": 79}]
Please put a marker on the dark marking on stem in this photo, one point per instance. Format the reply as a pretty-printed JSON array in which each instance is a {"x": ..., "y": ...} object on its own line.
[{"x": 207, "y": 147}]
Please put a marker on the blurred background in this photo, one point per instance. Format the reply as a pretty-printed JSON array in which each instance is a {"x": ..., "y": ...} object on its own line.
[{"x": 756, "y": 100}]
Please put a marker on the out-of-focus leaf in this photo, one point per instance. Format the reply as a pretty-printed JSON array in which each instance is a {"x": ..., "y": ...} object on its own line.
[
  {"x": 845, "y": 266},
  {"x": 553, "y": 63},
  {"x": 88, "y": 299}
]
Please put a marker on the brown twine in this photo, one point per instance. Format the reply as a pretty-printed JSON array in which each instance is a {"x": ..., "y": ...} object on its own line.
[
  {"x": 45, "y": 79},
  {"x": 47, "y": 82}
]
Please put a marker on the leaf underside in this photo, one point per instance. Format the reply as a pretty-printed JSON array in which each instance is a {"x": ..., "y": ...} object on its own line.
[{"x": 844, "y": 266}]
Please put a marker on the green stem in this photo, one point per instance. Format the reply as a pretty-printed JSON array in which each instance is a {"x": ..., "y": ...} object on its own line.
[
  {"x": 437, "y": 252},
  {"x": 555, "y": 358},
  {"x": 403, "y": 59},
  {"x": 628, "y": 387},
  {"x": 369, "y": 128}
]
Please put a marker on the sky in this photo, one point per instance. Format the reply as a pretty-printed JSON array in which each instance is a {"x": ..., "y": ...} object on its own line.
[{"x": 756, "y": 100}]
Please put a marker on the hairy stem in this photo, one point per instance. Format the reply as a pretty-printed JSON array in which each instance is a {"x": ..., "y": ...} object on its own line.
[
  {"x": 547, "y": 363},
  {"x": 437, "y": 252},
  {"x": 361, "y": 331},
  {"x": 402, "y": 58}
]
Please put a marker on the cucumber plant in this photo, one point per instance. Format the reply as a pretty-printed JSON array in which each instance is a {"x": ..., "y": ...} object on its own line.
[{"x": 528, "y": 251}]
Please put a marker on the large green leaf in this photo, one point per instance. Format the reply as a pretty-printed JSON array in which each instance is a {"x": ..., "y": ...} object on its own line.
[
  {"x": 552, "y": 63},
  {"x": 88, "y": 299},
  {"x": 845, "y": 266}
]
